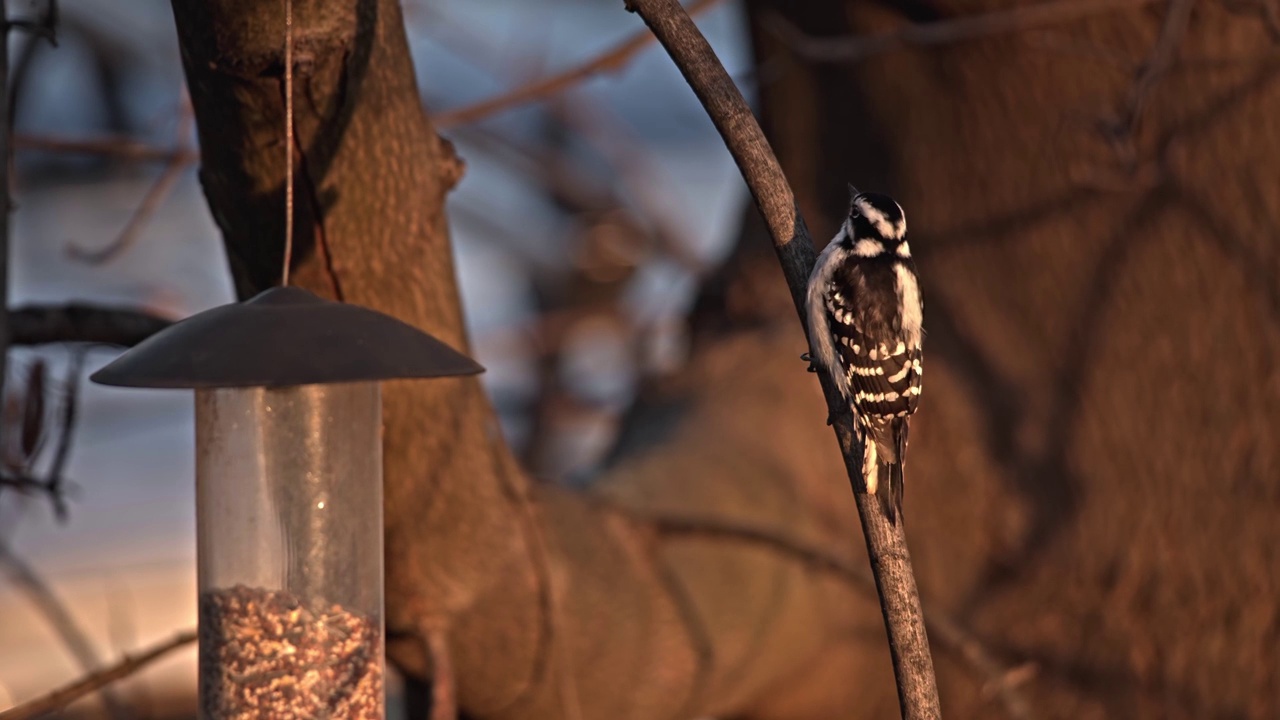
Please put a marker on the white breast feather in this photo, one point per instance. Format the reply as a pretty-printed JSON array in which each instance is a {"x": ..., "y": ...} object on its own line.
[{"x": 912, "y": 307}]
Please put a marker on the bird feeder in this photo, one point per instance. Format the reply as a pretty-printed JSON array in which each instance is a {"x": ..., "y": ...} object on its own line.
[{"x": 288, "y": 493}]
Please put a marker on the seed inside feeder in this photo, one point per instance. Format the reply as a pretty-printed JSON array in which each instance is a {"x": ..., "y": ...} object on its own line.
[{"x": 263, "y": 653}]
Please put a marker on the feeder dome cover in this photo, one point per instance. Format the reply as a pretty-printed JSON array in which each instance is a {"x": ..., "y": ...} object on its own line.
[{"x": 282, "y": 337}]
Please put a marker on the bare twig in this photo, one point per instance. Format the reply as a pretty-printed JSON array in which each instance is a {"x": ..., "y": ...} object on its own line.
[
  {"x": 886, "y": 544},
  {"x": 159, "y": 190},
  {"x": 151, "y": 201},
  {"x": 944, "y": 32},
  {"x": 40, "y": 325},
  {"x": 611, "y": 60},
  {"x": 123, "y": 148},
  {"x": 639, "y": 177},
  {"x": 64, "y": 696},
  {"x": 614, "y": 144},
  {"x": 70, "y": 410},
  {"x": 138, "y": 220},
  {"x": 27, "y": 580}
]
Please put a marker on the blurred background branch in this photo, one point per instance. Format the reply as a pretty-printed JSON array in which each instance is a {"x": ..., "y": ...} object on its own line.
[
  {"x": 98, "y": 681},
  {"x": 944, "y": 32}
]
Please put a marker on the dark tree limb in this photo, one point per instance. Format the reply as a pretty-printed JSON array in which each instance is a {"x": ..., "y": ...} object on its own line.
[
  {"x": 41, "y": 325},
  {"x": 886, "y": 543}
]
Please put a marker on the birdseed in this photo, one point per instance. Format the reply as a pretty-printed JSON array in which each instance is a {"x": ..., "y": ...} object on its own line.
[{"x": 266, "y": 654}]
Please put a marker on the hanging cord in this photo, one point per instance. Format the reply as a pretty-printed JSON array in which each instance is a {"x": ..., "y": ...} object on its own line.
[{"x": 288, "y": 141}]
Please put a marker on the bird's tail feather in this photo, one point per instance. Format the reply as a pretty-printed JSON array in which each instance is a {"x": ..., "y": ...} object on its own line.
[
  {"x": 885, "y": 456},
  {"x": 891, "y": 496}
]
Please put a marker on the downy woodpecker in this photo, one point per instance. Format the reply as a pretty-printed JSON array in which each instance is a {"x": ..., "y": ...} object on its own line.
[{"x": 865, "y": 314}]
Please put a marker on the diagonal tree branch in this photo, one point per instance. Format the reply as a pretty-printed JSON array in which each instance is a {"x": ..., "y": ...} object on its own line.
[
  {"x": 40, "y": 325},
  {"x": 886, "y": 543}
]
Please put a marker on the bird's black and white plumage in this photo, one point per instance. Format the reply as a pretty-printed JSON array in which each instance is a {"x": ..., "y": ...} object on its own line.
[{"x": 865, "y": 329}]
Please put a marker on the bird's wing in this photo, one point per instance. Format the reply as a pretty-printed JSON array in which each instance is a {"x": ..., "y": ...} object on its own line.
[{"x": 821, "y": 343}]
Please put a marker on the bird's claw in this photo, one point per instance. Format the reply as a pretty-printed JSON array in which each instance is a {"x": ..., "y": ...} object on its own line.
[{"x": 813, "y": 367}]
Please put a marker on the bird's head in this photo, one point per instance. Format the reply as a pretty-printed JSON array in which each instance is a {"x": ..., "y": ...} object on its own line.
[{"x": 876, "y": 225}]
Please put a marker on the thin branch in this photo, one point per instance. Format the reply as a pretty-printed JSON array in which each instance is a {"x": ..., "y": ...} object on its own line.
[
  {"x": 27, "y": 580},
  {"x": 137, "y": 221},
  {"x": 41, "y": 325},
  {"x": 610, "y": 140},
  {"x": 127, "y": 666},
  {"x": 943, "y": 32},
  {"x": 70, "y": 411},
  {"x": 611, "y": 60},
  {"x": 123, "y": 148},
  {"x": 886, "y": 544},
  {"x": 156, "y": 195}
]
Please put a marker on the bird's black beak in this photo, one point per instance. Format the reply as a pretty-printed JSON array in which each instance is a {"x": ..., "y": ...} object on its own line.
[{"x": 853, "y": 192}]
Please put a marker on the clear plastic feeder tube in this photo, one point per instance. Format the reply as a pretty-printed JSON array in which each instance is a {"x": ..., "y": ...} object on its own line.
[{"x": 289, "y": 528}]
